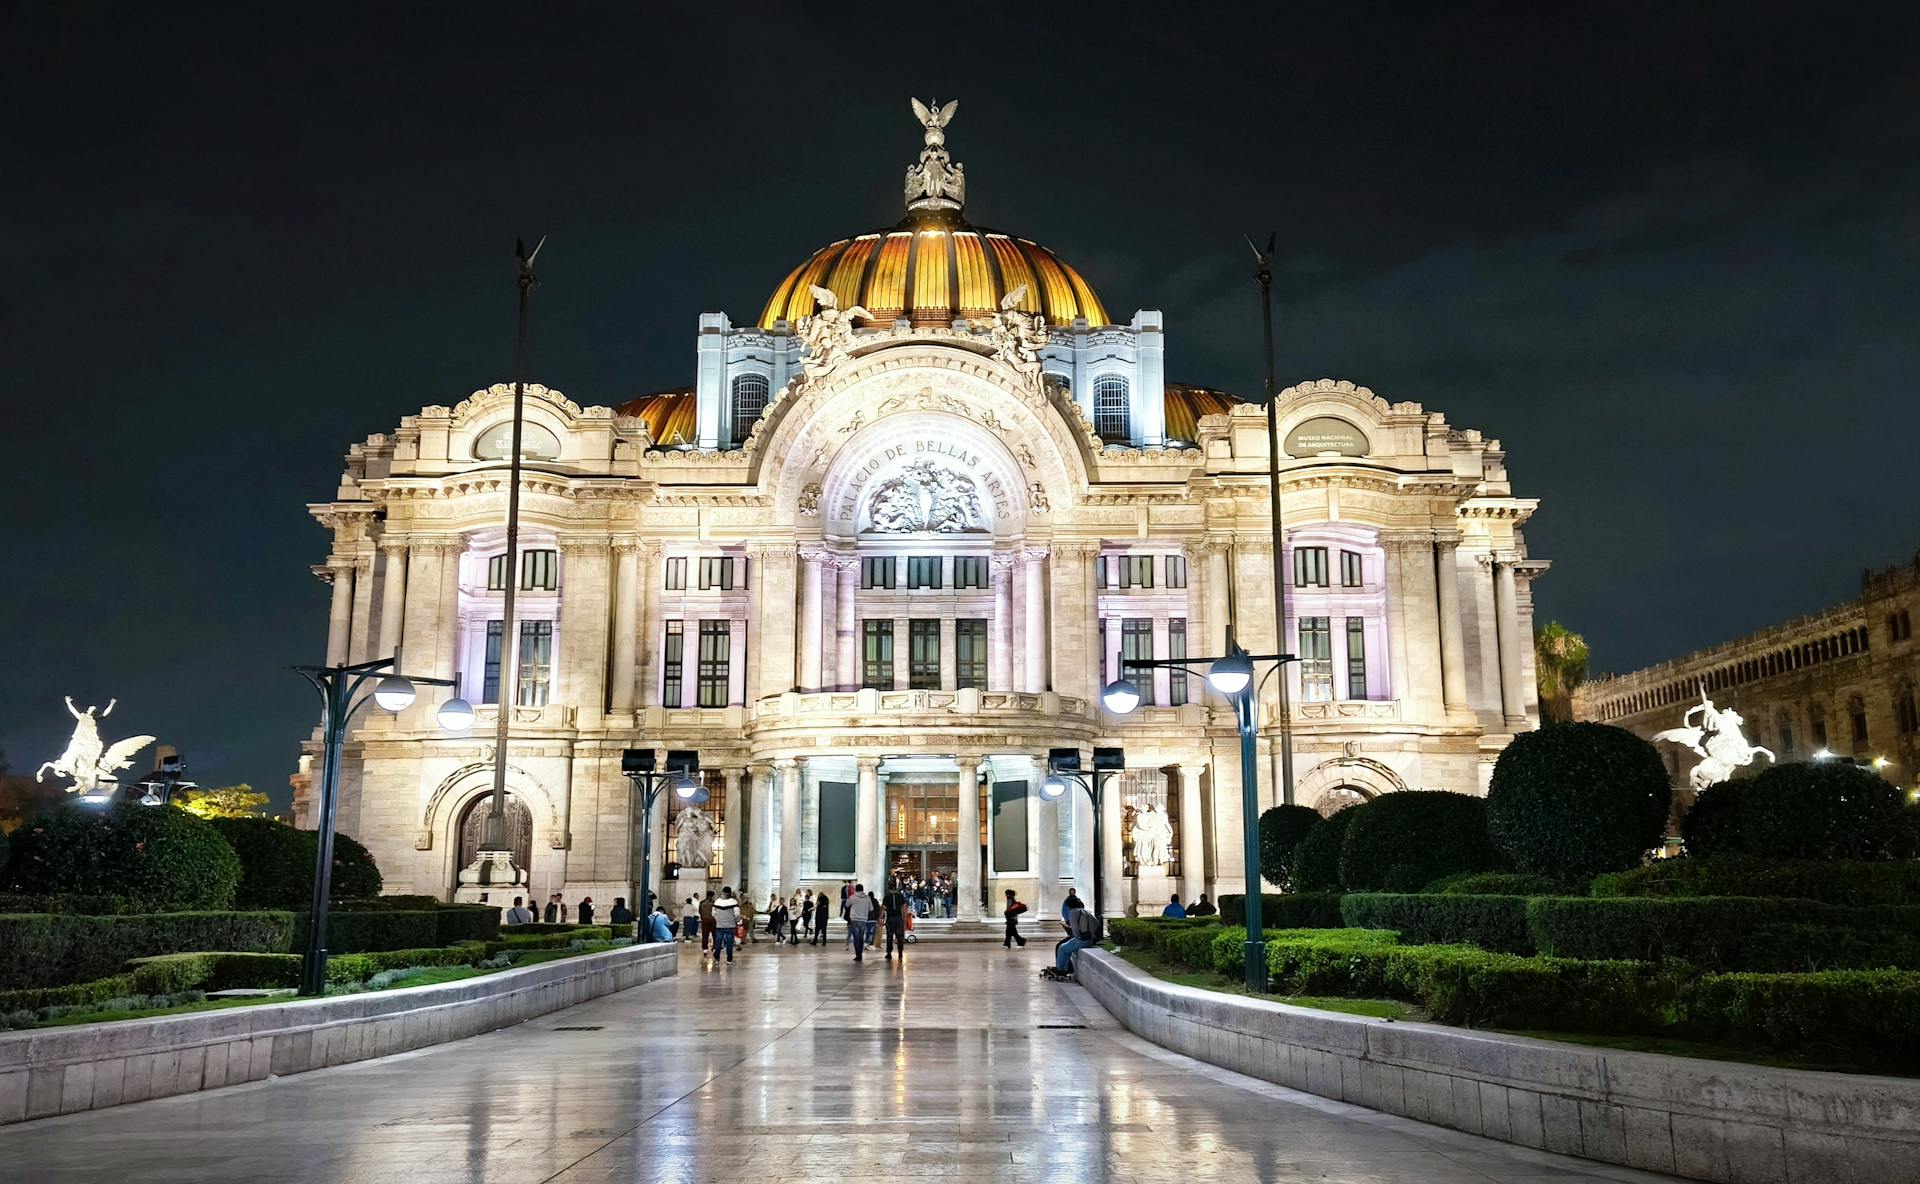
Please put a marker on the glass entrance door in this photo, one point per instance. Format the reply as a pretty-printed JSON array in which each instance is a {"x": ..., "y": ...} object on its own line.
[{"x": 923, "y": 828}]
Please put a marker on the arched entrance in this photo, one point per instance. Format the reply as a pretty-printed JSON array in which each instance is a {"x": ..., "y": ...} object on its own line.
[
  {"x": 518, "y": 836},
  {"x": 1337, "y": 798}
]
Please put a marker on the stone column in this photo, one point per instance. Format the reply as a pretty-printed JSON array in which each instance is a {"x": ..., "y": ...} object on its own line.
[
  {"x": 788, "y": 771},
  {"x": 359, "y": 635},
  {"x": 740, "y": 864},
  {"x": 580, "y": 649},
  {"x": 1217, "y": 612},
  {"x": 758, "y": 832},
  {"x": 1111, "y": 869},
  {"x": 866, "y": 822},
  {"x": 775, "y": 624},
  {"x": 1073, "y": 626},
  {"x": 446, "y": 633},
  {"x": 1047, "y": 844},
  {"x": 1421, "y": 611},
  {"x": 1513, "y": 698},
  {"x": 1034, "y": 671},
  {"x": 1453, "y": 637},
  {"x": 340, "y": 615},
  {"x": 967, "y": 878},
  {"x": 1000, "y": 631},
  {"x": 810, "y": 623},
  {"x": 393, "y": 600},
  {"x": 1193, "y": 843},
  {"x": 847, "y": 629},
  {"x": 1083, "y": 852},
  {"x": 626, "y": 628},
  {"x": 1397, "y": 647}
]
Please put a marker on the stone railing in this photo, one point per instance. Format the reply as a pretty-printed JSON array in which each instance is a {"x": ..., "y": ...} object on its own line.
[
  {"x": 1708, "y": 1120},
  {"x": 48, "y": 1071}
]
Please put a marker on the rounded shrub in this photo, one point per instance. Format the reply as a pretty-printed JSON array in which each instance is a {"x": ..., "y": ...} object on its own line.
[
  {"x": 1811, "y": 810},
  {"x": 1495, "y": 884},
  {"x": 1281, "y": 830},
  {"x": 1404, "y": 841},
  {"x": 1316, "y": 861},
  {"x": 160, "y": 856},
  {"x": 276, "y": 863},
  {"x": 1577, "y": 799}
]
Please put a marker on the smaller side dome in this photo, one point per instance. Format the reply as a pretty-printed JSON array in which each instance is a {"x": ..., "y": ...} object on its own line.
[{"x": 672, "y": 417}]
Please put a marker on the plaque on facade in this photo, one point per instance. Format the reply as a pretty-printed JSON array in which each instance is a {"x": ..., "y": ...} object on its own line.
[{"x": 1325, "y": 434}]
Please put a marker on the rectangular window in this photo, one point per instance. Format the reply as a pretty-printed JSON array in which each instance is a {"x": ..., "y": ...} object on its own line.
[
  {"x": 923, "y": 655},
  {"x": 540, "y": 570},
  {"x": 1316, "y": 658},
  {"x": 1350, "y": 571},
  {"x": 716, "y": 657},
  {"x": 970, "y": 653},
  {"x": 1819, "y": 733},
  {"x": 674, "y": 652},
  {"x": 1356, "y": 658},
  {"x": 497, "y": 573},
  {"x": 490, "y": 673},
  {"x": 1177, "y": 652},
  {"x": 1858, "y": 717},
  {"x": 1136, "y": 571},
  {"x": 923, "y": 571},
  {"x": 677, "y": 574},
  {"x": 1176, "y": 571},
  {"x": 536, "y": 662},
  {"x": 1100, "y": 572},
  {"x": 716, "y": 572},
  {"x": 1136, "y": 646},
  {"x": 876, "y": 654},
  {"x": 1309, "y": 567},
  {"x": 876, "y": 572},
  {"x": 970, "y": 571}
]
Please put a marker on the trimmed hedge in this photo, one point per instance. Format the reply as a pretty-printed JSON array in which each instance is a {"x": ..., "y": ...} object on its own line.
[
  {"x": 1401, "y": 842},
  {"x": 1497, "y": 923},
  {"x": 214, "y": 970},
  {"x": 1815, "y": 810},
  {"x": 1316, "y": 861},
  {"x": 1577, "y": 799},
  {"x": 161, "y": 856},
  {"x": 1870, "y": 1017},
  {"x": 1856, "y": 883},
  {"x": 353, "y": 968},
  {"x": 1299, "y": 910},
  {"x": 1281, "y": 830},
  {"x": 1497, "y": 884},
  {"x": 1711, "y": 932},
  {"x": 276, "y": 862},
  {"x": 67, "y": 902},
  {"x": 51, "y": 949}
]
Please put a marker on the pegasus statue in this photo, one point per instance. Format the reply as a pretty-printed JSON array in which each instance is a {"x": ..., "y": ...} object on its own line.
[{"x": 89, "y": 761}]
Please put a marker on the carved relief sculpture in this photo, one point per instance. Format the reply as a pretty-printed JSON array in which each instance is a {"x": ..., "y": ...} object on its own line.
[
  {"x": 926, "y": 497},
  {"x": 828, "y": 333}
]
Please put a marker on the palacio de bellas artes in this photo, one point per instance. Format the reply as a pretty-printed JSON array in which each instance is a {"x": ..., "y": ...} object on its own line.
[{"x": 879, "y": 554}]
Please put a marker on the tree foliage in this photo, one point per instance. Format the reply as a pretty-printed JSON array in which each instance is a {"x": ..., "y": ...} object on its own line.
[
  {"x": 1281, "y": 830},
  {"x": 1560, "y": 665},
  {"x": 277, "y": 863},
  {"x": 226, "y": 801},
  {"x": 1401, "y": 842},
  {"x": 1574, "y": 800}
]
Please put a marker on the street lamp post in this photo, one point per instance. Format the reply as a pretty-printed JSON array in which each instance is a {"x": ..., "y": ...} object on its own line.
[
  {"x": 1263, "y": 275},
  {"x": 640, "y": 766},
  {"x": 339, "y": 688},
  {"x": 1063, "y": 769},
  {"x": 1232, "y": 676}
]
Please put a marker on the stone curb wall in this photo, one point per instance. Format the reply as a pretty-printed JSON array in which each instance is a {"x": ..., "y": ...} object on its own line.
[
  {"x": 1710, "y": 1120},
  {"x": 48, "y": 1071}
]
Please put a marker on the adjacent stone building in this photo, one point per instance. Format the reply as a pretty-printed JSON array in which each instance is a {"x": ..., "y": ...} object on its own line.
[
  {"x": 1841, "y": 682},
  {"x": 882, "y": 554}
]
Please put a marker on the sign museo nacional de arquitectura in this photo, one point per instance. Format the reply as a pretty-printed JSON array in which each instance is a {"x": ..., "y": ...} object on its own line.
[{"x": 881, "y": 555}]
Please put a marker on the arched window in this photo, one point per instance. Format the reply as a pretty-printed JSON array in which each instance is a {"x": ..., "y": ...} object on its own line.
[
  {"x": 1110, "y": 420},
  {"x": 1906, "y": 713},
  {"x": 749, "y": 400},
  {"x": 1338, "y": 798},
  {"x": 1857, "y": 721}
]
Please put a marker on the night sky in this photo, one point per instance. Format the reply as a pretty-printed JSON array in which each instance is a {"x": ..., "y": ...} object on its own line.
[{"x": 1667, "y": 254}]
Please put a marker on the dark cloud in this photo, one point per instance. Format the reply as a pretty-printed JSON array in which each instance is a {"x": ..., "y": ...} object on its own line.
[{"x": 1665, "y": 253}]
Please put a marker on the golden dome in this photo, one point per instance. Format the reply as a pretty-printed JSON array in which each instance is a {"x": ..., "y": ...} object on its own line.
[
  {"x": 671, "y": 416},
  {"x": 932, "y": 268}
]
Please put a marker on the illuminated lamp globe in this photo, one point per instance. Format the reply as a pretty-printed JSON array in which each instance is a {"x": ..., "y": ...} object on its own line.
[
  {"x": 395, "y": 693},
  {"x": 1120, "y": 696},
  {"x": 1053, "y": 786},
  {"x": 455, "y": 715},
  {"x": 688, "y": 790},
  {"x": 1231, "y": 674}
]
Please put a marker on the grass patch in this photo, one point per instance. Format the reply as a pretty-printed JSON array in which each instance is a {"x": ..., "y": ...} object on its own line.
[
  {"x": 100, "y": 1017},
  {"x": 1159, "y": 967},
  {"x": 1703, "y": 1051}
]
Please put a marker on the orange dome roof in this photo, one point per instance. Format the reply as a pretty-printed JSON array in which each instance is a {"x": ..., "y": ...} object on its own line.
[{"x": 932, "y": 268}]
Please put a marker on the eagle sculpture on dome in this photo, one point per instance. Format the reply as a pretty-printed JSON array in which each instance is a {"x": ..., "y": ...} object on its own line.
[
  {"x": 828, "y": 333},
  {"x": 935, "y": 182}
]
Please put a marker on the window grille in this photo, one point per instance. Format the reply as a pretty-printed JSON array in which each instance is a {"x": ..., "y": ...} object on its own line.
[
  {"x": 877, "y": 654},
  {"x": 674, "y": 654},
  {"x": 716, "y": 655},
  {"x": 1356, "y": 658},
  {"x": 1176, "y": 651},
  {"x": 536, "y": 662},
  {"x": 749, "y": 400},
  {"x": 923, "y": 655},
  {"x": 1110, "y": 411},
  {"x": 1316, "y": 659},
  {"x": 970, "y": 653},
  {"x": 490, "y": 673},
  {"x": 1136, "y": 646}
]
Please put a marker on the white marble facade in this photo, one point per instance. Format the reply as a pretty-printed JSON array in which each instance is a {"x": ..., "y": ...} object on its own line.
[{"x": 1057, "y": 553}]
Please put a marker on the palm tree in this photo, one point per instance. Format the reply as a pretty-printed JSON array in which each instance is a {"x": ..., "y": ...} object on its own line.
[{"x": 1560, "y": 665}]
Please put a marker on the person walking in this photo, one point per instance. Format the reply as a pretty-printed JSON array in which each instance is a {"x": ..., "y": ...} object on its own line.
[
  {"x": 896, "y": 906},
  {"x": 690, "y": 920},
  {"x": 519, "y": 914},
  {"x": 859, "y": 911},
  {"x": 586, "y": 910},
  {"x": 1012, "y": 914},
  {"x": 706, "y": 920},
  {"x": 726, "y": 915},
  {"x": 820, "y": 920},
  {"x": 777, "y": 919},
  {"x": 659, "y": 928},
  {"x": 747, "y": 915}
]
